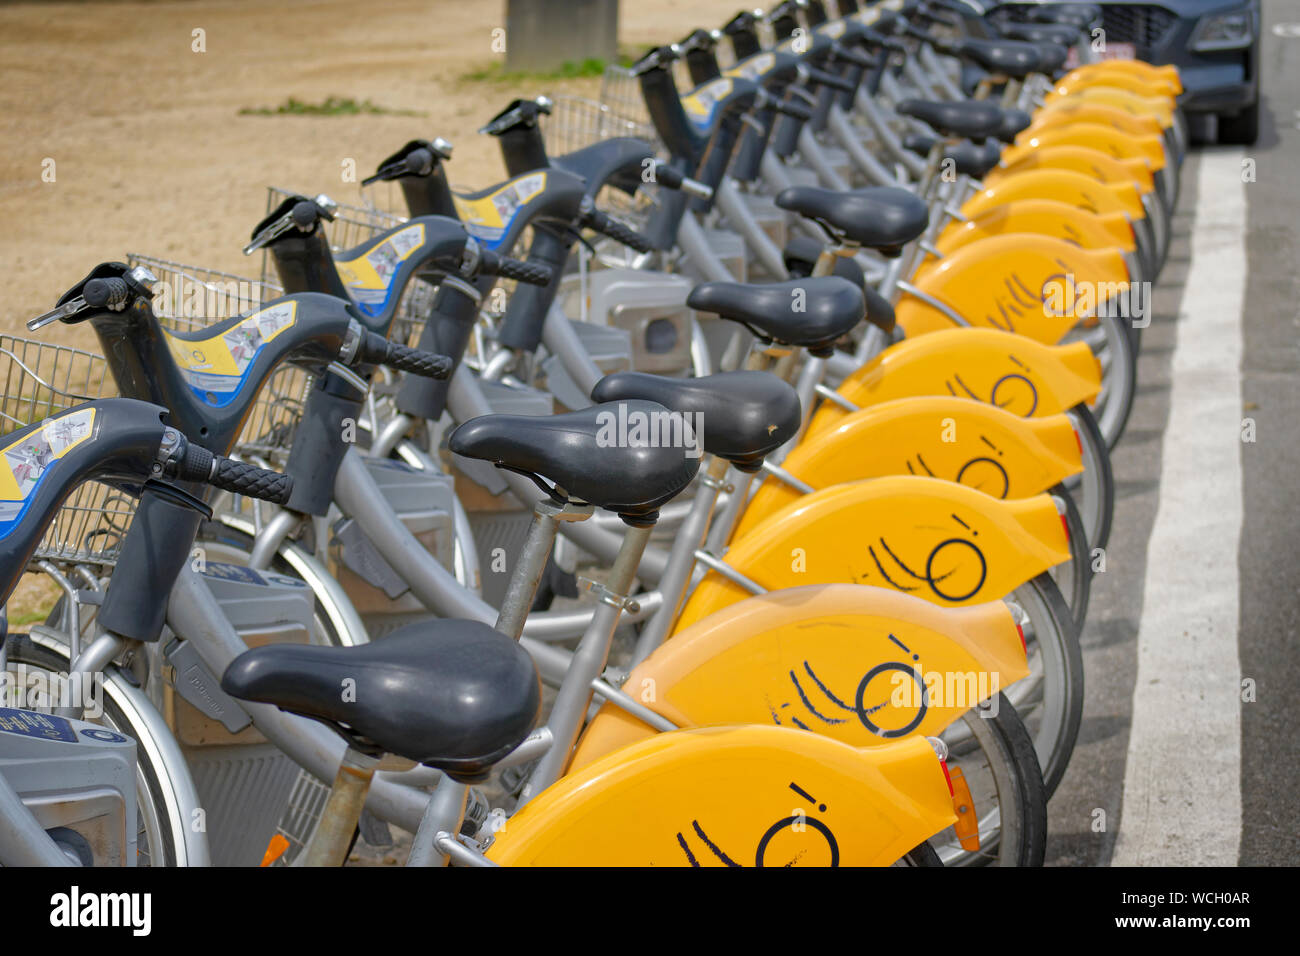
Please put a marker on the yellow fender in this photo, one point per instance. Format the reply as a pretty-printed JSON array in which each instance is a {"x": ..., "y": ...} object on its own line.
[
  {"x": 1149, "y": 148},
  {"x": 1013, "y": 372},
  {"x": 1156, "y": 107},
  {"x": 1064, "y": 185},
  {"x": 1125, "y": 120},
  {"x": 1155, "y": 89},
  {"x": 1082, "y": 159},
  {"x": 804, "y": 657},
  {"x": 1139, "y": 68},
  {"x": 957, "y": 439},
  {"x": 1048, "y": 217},
  {"x": 927, "y": 537},
  {"x": 728, "y": 796},
  {"x": 1022, "y": 282}
]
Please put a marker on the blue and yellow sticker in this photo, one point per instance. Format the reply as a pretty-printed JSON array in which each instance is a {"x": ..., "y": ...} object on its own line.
[
  {"x": 369, "y": 274},
  {"x": 488, "y": 218},
  {"x": 216, "y": 368},
  {"x": 25, "y": 462},
  {"x": 753, "y": 68},
  {"x": 702, "y": 102}
]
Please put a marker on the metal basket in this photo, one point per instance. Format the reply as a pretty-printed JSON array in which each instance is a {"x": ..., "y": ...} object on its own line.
[
  {"x": 188, "y": 298},
  {"x": 620, "y": 90},
  {"x": 576, "y": 122},
  {"x": 41, "y": 379}
]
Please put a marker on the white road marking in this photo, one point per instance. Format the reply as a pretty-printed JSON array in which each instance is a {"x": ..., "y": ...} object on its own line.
[{"x": 1182, "y": 780}]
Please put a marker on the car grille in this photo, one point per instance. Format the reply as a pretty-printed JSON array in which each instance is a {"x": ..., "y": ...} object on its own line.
[{"x": 1135, "y": 23}]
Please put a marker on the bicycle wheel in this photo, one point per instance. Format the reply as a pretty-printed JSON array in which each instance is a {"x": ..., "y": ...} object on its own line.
[
  {"x": 995, "y": 754},
  {"x": 160, "y": 821},
  {"x": 1095, "y": 487},
  {"x": 1075, "y": 578},
  {"x": 1113, "y": 345},
  {"x": 923, "y": 855},
  {"x": 1050, "y": 700}
]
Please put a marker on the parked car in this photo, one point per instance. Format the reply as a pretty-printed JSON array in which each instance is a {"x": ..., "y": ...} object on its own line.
[{"x": 1214, "y": 44}]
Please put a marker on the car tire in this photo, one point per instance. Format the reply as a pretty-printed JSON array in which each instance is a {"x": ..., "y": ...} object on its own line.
[{"x": 1242, "y": 129}]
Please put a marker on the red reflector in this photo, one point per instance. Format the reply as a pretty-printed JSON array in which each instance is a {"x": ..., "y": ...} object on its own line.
[
  {"x": 1021, "y": 631},
  {"x": 1066, "y": 525},
  {"x": 1078, "y": 441},
  {"x": 948, "y": 777}
]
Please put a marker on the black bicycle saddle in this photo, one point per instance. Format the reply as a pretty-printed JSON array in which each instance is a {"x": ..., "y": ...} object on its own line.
[
  {"x": 879, "y": 217},
  {"x": 968, "y": 119},
  {"x": 812, "y": 313},
  {"x": 456, "y": 695},
  {"x": 745, "y": 416},
  {"x": 627, "y": 457}
]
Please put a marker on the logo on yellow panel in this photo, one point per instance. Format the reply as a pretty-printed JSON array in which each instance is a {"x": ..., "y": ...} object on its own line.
[
  {"x": 25, "y": 461},
  {"x": 215, "y": 368}
]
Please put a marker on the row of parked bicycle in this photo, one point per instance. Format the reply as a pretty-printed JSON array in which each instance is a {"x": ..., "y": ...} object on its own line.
[{"x": 822, "y": 327}]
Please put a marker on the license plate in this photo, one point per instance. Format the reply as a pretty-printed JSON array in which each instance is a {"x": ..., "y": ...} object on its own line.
[{"x": 1119, "y": 51}]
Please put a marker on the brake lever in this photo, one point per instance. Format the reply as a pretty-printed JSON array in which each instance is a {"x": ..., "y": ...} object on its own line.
[
  {"x": 327, "y": 208},
  {"x": 67, "y": 309}
]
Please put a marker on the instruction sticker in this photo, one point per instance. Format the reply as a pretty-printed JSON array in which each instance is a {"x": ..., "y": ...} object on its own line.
[
  {"x": 753, "y": 68},
  {"x": 31, "y": 724},
  {"x": 701, "y": 104},
  {"x": 369, "y": 274},
  {"x": 488, "y": 218},
  {"x": 25, "y": 461},
  {"x": 215, "y": 368}
]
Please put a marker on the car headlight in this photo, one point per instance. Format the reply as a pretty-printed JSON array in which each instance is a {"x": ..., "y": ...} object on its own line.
[{"x": 1223, "y": 31}]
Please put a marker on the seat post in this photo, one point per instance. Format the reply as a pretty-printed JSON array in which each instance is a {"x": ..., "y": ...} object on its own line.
[
  {"x": 519, "y": 596},
  {"x": 338, "y": 822},
  {"x": 681, "y": 559},
  {"x": 589, "y": 659}
]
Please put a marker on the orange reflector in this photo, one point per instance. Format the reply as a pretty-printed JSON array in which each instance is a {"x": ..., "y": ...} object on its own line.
[
  {"x": 275, "y": 849},
  {"x": 967, "y": 826}
]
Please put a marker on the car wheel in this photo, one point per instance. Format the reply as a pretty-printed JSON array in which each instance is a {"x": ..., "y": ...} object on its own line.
[{"x": 1242, "y": 129}]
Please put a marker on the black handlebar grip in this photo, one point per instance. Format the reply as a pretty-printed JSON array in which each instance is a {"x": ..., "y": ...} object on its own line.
[
  {"x": 377, "y": 350},
  {"x": 618, "y": 231},
  {"x": 251, "y": 481},
  {"x": 532, "y": 273},
  {"x": 111, "y": 293},
  {"x": 667, "y": 176},
  {"x": 823, "y": 78},
  {"x": 854, "y": 57},
  {"x": 792, "y": 109},
  {"x": 199, "y": 464}
]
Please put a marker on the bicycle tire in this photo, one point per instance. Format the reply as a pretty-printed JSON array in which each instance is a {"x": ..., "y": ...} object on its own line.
[
  {"x": 1080, "y": 566},
  {"x": 1097, "y": 483},
  {"x": 923, "y": 855},
  {"x": 1019, "y": 784}
]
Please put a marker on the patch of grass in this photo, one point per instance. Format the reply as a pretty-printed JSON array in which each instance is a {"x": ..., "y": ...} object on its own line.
[
  {"x": 330, "y": 106},
  {"x": 32, "y": 617},
  {"x": 569, "y": 70}
]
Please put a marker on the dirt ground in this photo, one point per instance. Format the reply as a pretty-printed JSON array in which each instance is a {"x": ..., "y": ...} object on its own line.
[
  {"x": 117, "y": 135},
  {"x": 151, "y": 155}
]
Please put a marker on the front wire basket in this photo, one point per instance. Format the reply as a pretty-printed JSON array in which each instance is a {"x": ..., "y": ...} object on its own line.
[{"x": 41, "y": 379}]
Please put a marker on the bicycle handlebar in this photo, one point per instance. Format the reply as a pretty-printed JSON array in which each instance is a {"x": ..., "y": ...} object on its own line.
[
  {"x": 794, "y": 110},
  {"x": 375, "y": 349},
  {"x": 531, "y": 273},
  {"x": 237, "y": 477},
  {"x": 618, "y": 231}
]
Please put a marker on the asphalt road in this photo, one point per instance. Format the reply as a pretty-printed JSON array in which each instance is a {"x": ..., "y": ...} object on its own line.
[{"x": 1221, "y": 784}]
